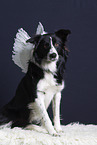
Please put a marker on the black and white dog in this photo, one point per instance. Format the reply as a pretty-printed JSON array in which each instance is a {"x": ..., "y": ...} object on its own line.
[{"x": 42, "y": 84}]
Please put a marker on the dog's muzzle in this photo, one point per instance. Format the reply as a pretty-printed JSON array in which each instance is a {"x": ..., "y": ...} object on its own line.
[{"x": 52, "y": 55}]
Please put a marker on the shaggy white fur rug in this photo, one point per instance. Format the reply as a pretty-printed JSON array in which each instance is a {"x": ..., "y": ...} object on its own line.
[{"x": 74, "y": 134}]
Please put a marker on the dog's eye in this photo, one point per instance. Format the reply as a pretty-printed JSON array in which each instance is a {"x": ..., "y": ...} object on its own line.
[
  {"x": 46, "y": 45},
  {"x": 56, "y": 44}
]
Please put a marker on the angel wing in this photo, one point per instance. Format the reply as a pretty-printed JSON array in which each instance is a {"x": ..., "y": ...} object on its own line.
[
  {"x": 40, "y": 29},
  {"x": 22, "y": 50}
]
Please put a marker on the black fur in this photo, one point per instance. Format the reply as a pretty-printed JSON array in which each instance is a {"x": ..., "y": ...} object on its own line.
[{"x": 17, "y": 109}]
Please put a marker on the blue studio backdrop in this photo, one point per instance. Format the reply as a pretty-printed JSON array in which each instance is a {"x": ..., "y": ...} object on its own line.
[{"x": 79, "y": 98}]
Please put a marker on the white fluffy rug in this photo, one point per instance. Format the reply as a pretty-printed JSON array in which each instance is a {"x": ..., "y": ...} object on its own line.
[{"x": 74, "y": 134}]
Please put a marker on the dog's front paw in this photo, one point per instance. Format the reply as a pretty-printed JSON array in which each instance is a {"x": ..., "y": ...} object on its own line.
[
  {"x": 58, "y": 129},
  {"x": 52, "y": 132}
]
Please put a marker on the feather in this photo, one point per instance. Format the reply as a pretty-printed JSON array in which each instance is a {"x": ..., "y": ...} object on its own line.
[
  {"x": 40, "y": 29},
  {"x": 21, "y": 50}
]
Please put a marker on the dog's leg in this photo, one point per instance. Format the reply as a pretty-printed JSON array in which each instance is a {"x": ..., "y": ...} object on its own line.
[
  {"x": 56, "y": 112},
  {"x": 46, "y": 122}
]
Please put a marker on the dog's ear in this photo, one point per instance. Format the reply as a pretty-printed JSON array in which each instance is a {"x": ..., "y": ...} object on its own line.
[
  {"x": 62, "y": 34},
  {"x": 34, "y": 40}
]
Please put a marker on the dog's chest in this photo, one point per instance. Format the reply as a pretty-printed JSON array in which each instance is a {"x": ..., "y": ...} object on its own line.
[{"x": 48, "y": 87}]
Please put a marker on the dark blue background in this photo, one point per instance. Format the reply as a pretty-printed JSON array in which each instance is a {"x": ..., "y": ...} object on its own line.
[{"x": 79, "y": 101}]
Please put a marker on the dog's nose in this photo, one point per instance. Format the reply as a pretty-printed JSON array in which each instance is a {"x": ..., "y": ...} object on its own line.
[{"x": 53, "y": 55}]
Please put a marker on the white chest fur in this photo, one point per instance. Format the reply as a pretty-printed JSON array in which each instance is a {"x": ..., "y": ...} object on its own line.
[{"x": 49, "y": 86}]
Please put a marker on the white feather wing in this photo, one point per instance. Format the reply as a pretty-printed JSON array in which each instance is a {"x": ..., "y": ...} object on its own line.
[
  {"x": 21, "y": 50},
  {"x": 40, "y": 29}
]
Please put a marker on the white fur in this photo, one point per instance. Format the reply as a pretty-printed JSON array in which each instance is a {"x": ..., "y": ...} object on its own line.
[
  {"x": 52, "y": 50},
  {"x": 56, "y": 111},
  {"x": 50, "y": 87},
  {"x": 49, "y": 66},
  {"x": 47, "y": 90},
  {"x": 52, "y": 91}
]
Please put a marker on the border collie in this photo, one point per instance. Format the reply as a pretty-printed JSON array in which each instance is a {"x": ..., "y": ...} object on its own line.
[{"x": 42, "y": 84}]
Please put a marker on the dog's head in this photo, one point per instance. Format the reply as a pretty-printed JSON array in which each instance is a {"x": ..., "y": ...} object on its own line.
[{"x": 49, "y": 47}]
